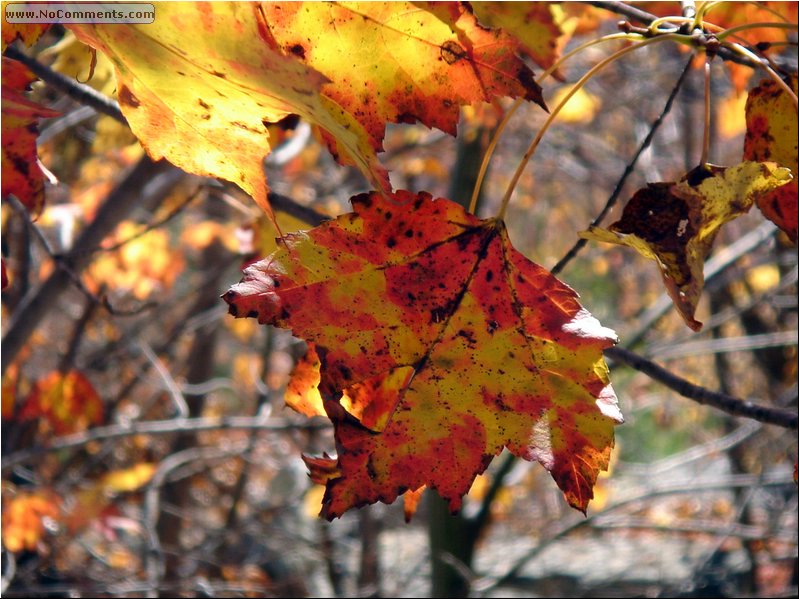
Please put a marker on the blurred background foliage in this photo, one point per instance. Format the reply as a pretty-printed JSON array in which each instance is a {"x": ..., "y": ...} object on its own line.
[{"x": 179, "y": 472}]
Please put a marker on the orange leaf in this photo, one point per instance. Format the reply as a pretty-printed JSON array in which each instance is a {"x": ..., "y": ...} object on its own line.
[
  {"x": 68, "y": 402},
  {"x": 771, "y": 134},
  {"x": 411, "y": 501},
  {"x": 27, "y": 33},
  {"x": 401, "y": 62},
  {"x": 531, "y": 25},
  {"x": 23, "y": 515},
  {"x": 10, "y": 384},
  {"x": 129, "y": 479},
  {"x": 480, "y": 347},
  {"x": 371, "y": 401},
  {"x": 22, "y": 174}
]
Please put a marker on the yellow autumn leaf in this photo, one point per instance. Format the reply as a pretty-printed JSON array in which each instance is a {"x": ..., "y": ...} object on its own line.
[
  {"x": 129, "y": 479},
  {"x": 675, "y": 223},
  {"x": 205, "y": 105},
  {"x": 581, "y": 107}
]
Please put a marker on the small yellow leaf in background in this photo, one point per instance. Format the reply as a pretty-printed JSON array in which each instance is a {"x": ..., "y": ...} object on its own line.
[
  {"x": 581, "y": 107},
  {"x": 129, "y": 479},
  {"x": 731, "y": 115},
  {"x": 762, "y": 278},
  {"x": 145, "y": 264}
]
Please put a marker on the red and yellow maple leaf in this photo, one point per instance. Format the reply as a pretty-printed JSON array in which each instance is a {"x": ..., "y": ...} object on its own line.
[
  {"x": 66, "y": 401},
  {"x": 348, "y": 68},
  {"x": 401, "y": 62},
  {"x": 771, "y": 134},
  {"x": 675, "y": 223},
  {"x": 22, "y": 174},
  {"x": 531, "y": 24},
  {"x": 481, "y": 348}
]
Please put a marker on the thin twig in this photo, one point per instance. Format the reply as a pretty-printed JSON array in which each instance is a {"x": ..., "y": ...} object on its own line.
[
  {"x": 181, "y": 407},
  {"x": 154, "y": 560},
  {"x": 726, "y": 403},
  {"x": 628, "y": 170},
  {"x": 720, "y": 260},
  {"x": 79, "y": 92},
  {"x": 624, "y": 9},
  {"x": 724, "y": 531},
  {"x": 680, "y": 460},
  {"x": 159, "y": 427},
  {"x": 690, "y": 486},
  {"x": 64, "y": 264},
  {"x": 146, "y": 180},
  {"x": 725, "y": 345},
  {"x": 151, "y": 226}
]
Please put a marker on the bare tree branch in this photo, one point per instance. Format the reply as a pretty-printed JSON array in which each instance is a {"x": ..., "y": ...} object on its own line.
[
  {"x": 726, "y": 403},
  {"x": 628, "y": 170},
  {"x": 159, "y": 427},
  {"x": 81, "y": 93},
  {"x": 636, "y": 14},
  {"x": 141, "y": 181},
  {"x": 737, "y": 481}
]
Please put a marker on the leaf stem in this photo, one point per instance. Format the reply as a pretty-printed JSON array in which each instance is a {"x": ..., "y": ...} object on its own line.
[
  {"x": 628, "y": 170},
  {"x": 577, "y": 86},
  {"x": 654, "y": 26},
  {"x": 497, "y": 134},
  {"x": 741, "y": 50},
  {"x": 764, "y": 25},
  {"x": 706, "y": 133},
  {"x": 489, "y": 152}
]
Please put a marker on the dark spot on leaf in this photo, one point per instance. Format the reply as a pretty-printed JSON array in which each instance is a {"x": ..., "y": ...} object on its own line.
[
  {"x": 452, "y": 52},
  {"x": 127, "y": 97},
  {"x": 489, "y": 275},
  {"x": 252, "y": 314},
  {"x": 370, "y": 468},
  {"x": 297, "y": 50},
  {"x": 203, "y": 104},
  {"x": 391, "y": 242}
]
